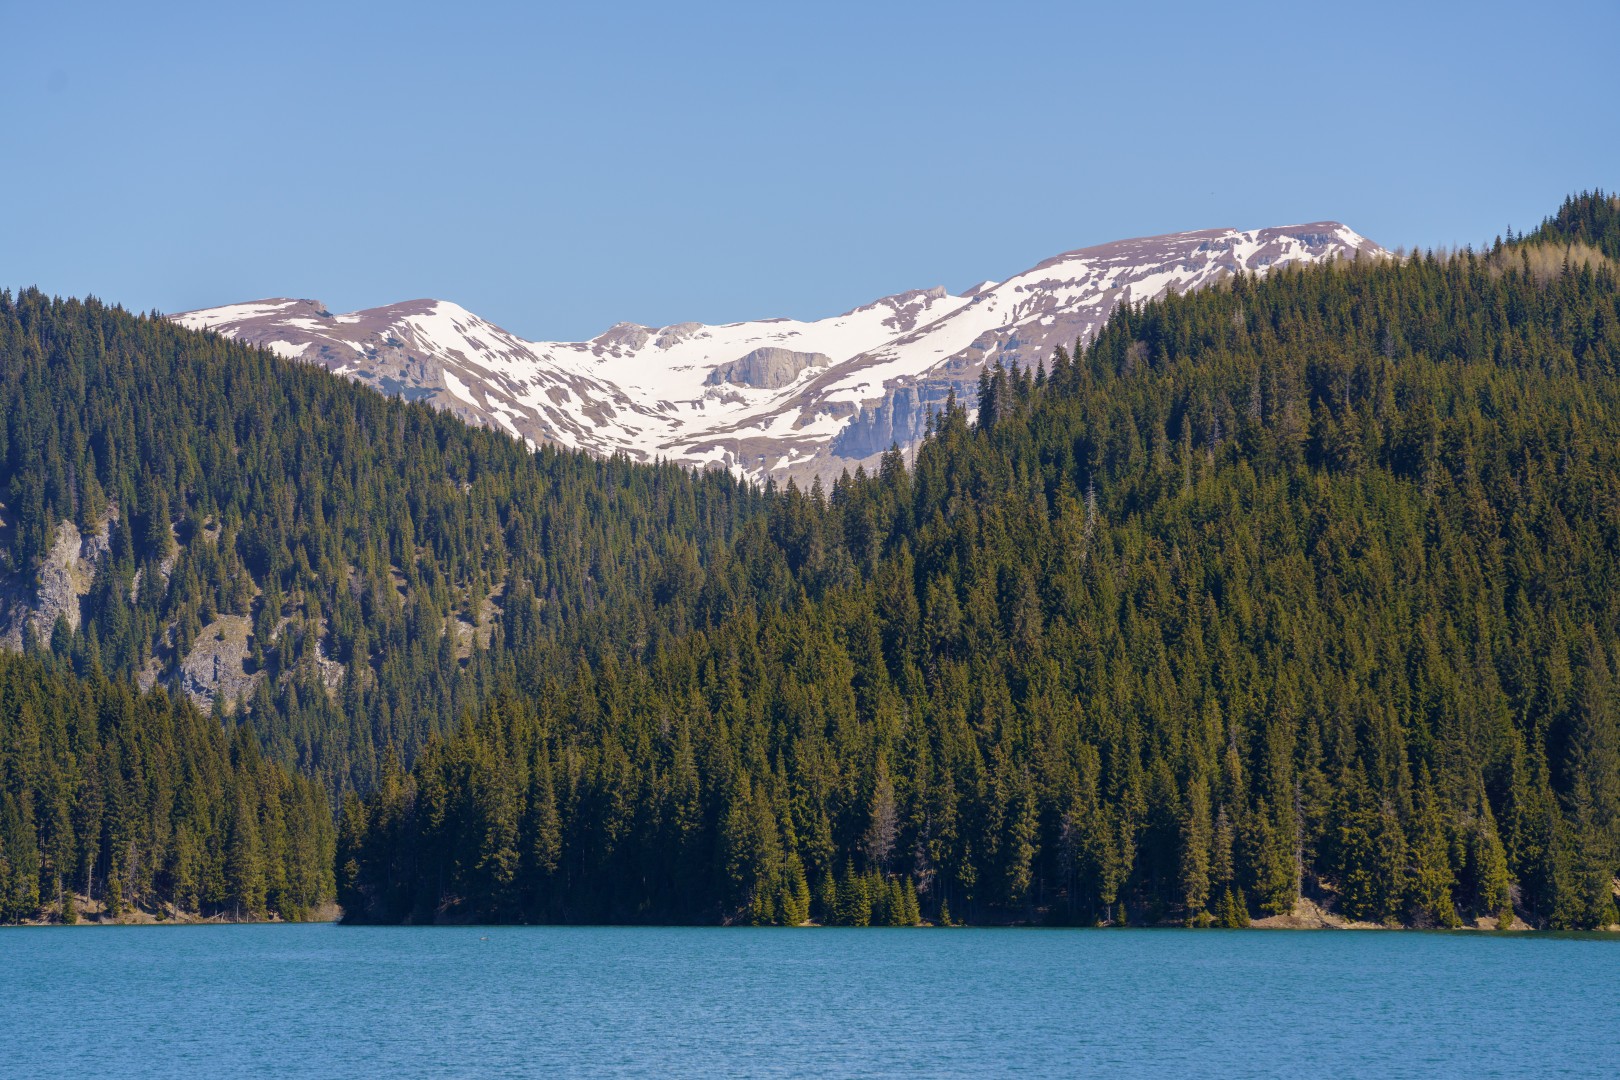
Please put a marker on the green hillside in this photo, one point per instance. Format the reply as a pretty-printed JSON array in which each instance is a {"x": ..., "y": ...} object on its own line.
[
  {"x": 364, "y": 567},
  {"x": 1300, "y": 586}
]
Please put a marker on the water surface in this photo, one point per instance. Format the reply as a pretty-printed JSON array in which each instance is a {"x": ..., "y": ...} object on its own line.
[{"x": 345, "y": 1001}]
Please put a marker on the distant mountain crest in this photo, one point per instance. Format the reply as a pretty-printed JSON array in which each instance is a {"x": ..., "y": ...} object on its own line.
[{"x": 770, "y": 397}]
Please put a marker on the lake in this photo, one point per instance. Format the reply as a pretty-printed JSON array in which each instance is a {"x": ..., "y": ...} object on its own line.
[{"x": 345, "y": 1001}]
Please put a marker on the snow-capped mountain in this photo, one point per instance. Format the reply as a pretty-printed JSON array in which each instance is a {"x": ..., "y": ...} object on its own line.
[{"x": 774, "y": 397}]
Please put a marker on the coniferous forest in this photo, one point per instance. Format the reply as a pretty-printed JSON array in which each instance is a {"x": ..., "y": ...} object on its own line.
[
  {"x": 1297, "y": 586},
  {"x": 140, "y": 801}
]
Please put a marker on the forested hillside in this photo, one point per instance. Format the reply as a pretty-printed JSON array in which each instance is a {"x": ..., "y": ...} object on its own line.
[
  {"x": 1592, "y": 219},
  {"x": 1300, "y": 586},
  {"x": 1304, "y": 585},
  {"x": 142, "y": 803},
  {"x": 354, "y": 569}
]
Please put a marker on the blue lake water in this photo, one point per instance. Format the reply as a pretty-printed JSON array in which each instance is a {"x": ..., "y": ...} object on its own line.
[{"x": 348, "y": 1001}]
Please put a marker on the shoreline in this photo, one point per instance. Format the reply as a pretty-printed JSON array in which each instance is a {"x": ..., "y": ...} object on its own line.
[
  {"x": 94, "y": 913},
  {"x": 1307, "y": 915}
]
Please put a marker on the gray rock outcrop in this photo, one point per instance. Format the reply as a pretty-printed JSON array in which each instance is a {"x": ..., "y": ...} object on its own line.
[
  {"x": 216, "y": 666},
  {"x": 767, "y": 368},
  {"x": 899, "y": 419},
  {"x": 64, "y": 576}
]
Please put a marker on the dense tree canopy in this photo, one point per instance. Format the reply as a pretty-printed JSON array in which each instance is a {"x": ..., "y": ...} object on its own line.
[
  {"x": 142, "y": 802},
  {"x": 1592, "y": 219}
]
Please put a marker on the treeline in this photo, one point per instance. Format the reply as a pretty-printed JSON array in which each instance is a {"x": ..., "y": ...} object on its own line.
[
  {"x": 139, "y": 802},
  {"x": 390, "y": 558},
  {"x": 1591, "y": 219},
  {"x": 1302, "y": 586}
]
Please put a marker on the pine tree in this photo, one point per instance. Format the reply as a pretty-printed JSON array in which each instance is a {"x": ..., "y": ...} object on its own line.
[
  {"x": 1275, "y": 881},
  {"x": 244, "y": 868},
  {"x": 853, "y": 906},
  {"x": 826, "y": 899},
  {"x": 911, "y": 910},
  {"x": 1429, "y": 874},
  {"x": 1233, "y": 913},
  {"x": 1196, "y": 838}
]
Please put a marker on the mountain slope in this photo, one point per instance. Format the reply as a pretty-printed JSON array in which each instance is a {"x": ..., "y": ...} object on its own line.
[
  {"x": 770, "y": 397},
  {"x": 1300, "y": 586},
  {"x": 348, "y": 568},
  {"x": 1302, "y": 589}
]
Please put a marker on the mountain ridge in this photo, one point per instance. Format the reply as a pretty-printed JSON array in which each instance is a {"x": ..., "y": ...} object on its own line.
[{"x": 774, "y": 397}]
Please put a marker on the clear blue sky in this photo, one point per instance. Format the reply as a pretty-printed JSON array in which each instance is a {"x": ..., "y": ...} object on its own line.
[{"x": 557, "y": 168}]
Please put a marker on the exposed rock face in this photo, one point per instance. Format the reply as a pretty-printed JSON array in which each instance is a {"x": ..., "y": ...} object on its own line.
[
  {"x": 57, "y": 588},
  {"x": 215, "y": 666},
  {"x": 766, "y": 368},
  {"x": 331, "y": 670},
  {"x": 64, "y": 577},
  {"x": 771, "y": 397},
  {"x": 217, "y": 663},
  {"x": 899, "y": 419}
]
